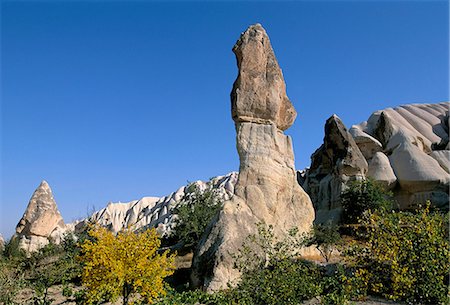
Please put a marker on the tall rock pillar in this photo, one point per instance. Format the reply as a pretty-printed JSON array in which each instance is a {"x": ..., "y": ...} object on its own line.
[{"x": 267, "y": 190}]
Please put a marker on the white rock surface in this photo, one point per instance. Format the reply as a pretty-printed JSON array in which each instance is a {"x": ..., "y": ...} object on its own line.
[
  {"x": 380, "y": 170},
  {"x": 154, "y": 211}
]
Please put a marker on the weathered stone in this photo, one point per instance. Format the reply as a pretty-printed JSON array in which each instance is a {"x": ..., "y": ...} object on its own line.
[
  {"x": 2, "y": 243},
  {"x": 415, "y": 170},
  {"x": 40, "y": 219},
  {"x": 267, "y": 190},
  {"x": 381, "y": 171},
  {"x": 259, "y": 92},
  {"x": 412, "y": 159},
  {"x": 367, "y": 144},
  {"x": 443, "y": 158},
  {"x": 337, "y": 162},
  {"x": 155, "y": 211}
]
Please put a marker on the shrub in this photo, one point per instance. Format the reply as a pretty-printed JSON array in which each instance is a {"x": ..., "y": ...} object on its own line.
[
  {"x": 325, "y": 237},
  {"x": 123, "y": 265},
  {"x": 404, "y": 256},
  {"x": 194, "y": 213},
  {"x": 272, "y": 272},
  {"x": 361, "y": 196}
]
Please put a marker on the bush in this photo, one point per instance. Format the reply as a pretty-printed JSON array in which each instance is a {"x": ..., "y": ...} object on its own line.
[
  {"x": 194, "y": 213},
  {"x": 272, "y": 272},
  {"x": 124, "y": 265},
  {"x": 362, "y": 196},
  {"x": 403, "y": 256},
  {"x": 325, "y": 237}
]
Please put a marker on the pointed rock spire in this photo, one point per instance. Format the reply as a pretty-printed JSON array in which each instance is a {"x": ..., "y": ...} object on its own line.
[{"x": 40, "y": 219}]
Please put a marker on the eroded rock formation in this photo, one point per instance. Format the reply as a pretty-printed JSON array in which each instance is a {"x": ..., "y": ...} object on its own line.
[
  {"x": 154, "y": 211},
  {"x": 41, "y": 221},
  {"x": 406, "y": 149},
  {"x": 267, "y": 189},
  {"x": 336, "y": 163}
]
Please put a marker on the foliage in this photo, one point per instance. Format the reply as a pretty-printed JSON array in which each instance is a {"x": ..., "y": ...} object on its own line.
[
  {"x": 194, "y": 213},
  {"x": 272, "y": 272},
  {"x": 196, "y": 297},
  {"x": 263, "y": 248},
  {"x": 325, "y": 237},
  {"x": 11, "y": 280},
  {"x": 361, "y": 196},
  {"x": 404, "y": 256},
  {"x": 282, "y": 282},
  {"x": 51, "y": 265},
  {"x": 123, "y": 265}
]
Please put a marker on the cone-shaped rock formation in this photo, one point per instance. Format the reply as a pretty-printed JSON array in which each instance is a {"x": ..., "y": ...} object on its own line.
[{"x": 41, "y": 220}]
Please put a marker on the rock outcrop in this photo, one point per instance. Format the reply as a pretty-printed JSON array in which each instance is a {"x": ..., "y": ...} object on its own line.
[
  {"x": 154, "y": 211},
  {"x": 267, "y": 189},
  {"x": 41, "y": 221},
  {"x": 337, "y": 162},
  {"x": 406, "y": 149},
  {"x": 2, "y": 243}
]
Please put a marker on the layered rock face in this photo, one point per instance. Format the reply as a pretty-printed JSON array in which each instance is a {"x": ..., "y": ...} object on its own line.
[
  {"x": 155, "y": 211},
  {"x": 404, "y": 148},
  {"x": 267, "y": 189},
  {"x": 41, "y": 221}
]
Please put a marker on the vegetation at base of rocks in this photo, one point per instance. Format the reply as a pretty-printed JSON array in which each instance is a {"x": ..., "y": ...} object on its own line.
[
  {"x": 125, "y": 265},
  {"x": 362, "y": 196},
  {"x": 325, "y": 237},
  {"x": 51, "y": 265},
  {"x": 194, "y": 213},
  {"x": 403, "y": 256}
]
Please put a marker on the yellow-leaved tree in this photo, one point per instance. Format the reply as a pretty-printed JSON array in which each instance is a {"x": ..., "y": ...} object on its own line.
[{"x": 125, "y": 265}]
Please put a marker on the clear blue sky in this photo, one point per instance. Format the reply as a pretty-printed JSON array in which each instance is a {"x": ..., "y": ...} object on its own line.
[{"x": 113, "y": 101}]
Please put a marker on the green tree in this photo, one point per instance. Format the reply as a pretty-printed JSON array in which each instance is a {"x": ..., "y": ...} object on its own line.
[
  {"x": 363, "y": 196},
  {"x": 325, "y": 237},
  {"x": 124, "y": 265},
  {"x": 194, "y": 213}
]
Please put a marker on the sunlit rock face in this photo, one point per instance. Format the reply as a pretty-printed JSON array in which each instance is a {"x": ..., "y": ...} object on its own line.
[
  {"x": 41, "y": 221},
  {"x": 157, "y": 212},
  {"x": 267, "y": 189},
  {"x": 406, "y": 149}
]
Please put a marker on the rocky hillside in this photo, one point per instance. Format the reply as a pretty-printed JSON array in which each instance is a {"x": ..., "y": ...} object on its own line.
[
  {"x": 154, "y": 211},
  {"x": 405, "y": 148},
  {"x": 42, "y": 221}
]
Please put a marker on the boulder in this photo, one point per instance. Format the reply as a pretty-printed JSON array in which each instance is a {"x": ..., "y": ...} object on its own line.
[
  {"x": 367, "y": 144},
  {"x": 415, "y": 170},
  {"x": 40, "y": 220},
  {"x": 381, "y": 171},
  {"x": 267, "y": 190}
]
